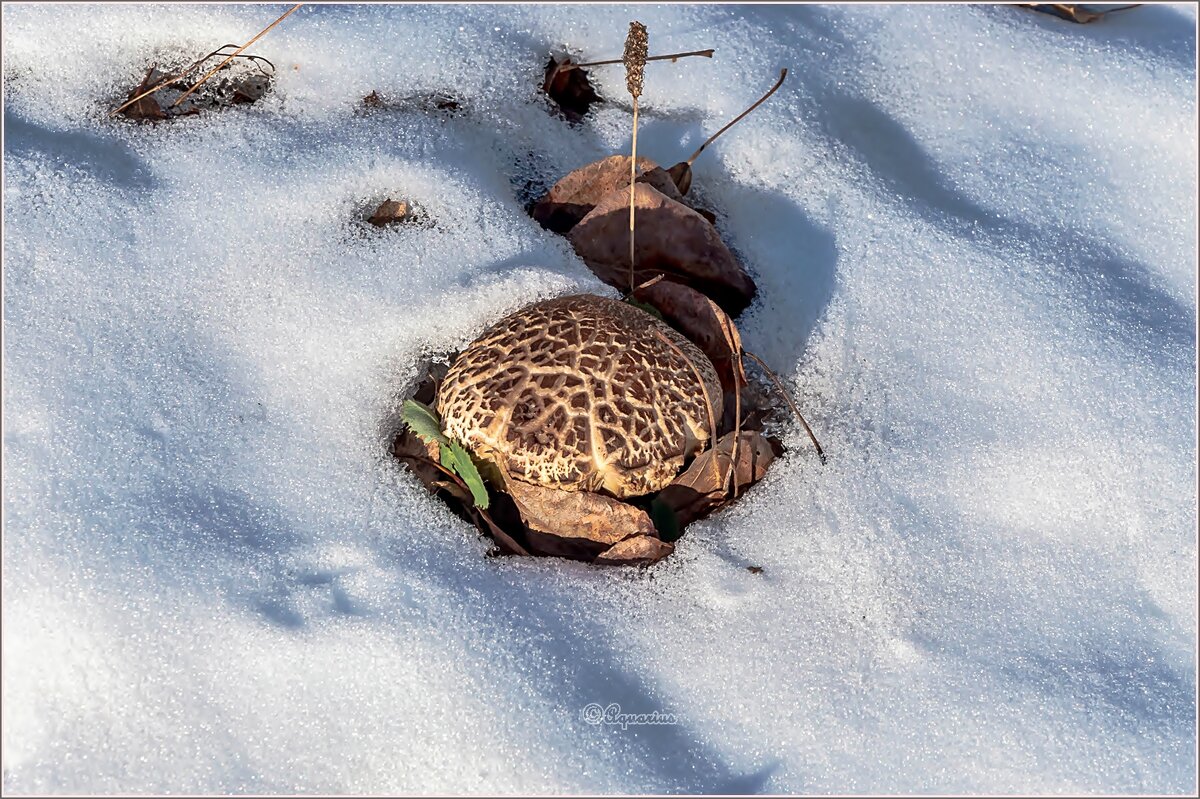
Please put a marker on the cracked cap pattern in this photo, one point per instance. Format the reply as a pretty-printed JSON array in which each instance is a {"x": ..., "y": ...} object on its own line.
[{"x": 582, "y": 393}]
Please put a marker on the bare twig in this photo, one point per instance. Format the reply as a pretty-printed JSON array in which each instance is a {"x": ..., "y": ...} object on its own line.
[
  {"x": 165, "y": 82},
  {"x": 214, "y": 70},
  {"x": 739, "y": 117},
  {"x": 671, "y": 57},
  {"x": 788, "y": 398},
  {"x": 646, "y": 284}
]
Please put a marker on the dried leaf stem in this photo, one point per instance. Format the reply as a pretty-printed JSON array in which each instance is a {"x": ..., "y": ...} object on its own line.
[
  {"x": 636, "y": 48},
  {"x": 670, "y": 57},
  {"x": 165, "y": 82},
  {"x": 739, "y": 117},
  {"x": 788, "y": 398},
  {"x": 215, "y": 69}
]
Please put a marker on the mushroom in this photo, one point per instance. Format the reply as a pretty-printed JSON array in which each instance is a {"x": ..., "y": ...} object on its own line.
[{"x": 582, "y": 393}]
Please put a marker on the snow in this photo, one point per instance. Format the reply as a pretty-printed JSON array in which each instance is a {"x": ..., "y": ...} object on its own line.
[{"x": 973, "y": 229}]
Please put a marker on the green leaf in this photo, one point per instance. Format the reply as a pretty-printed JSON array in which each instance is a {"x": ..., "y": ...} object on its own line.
[
  {"x": 459, "y": 461},
  {"x": 426, "y": 425},
  {"x": 423, "y": 421}
]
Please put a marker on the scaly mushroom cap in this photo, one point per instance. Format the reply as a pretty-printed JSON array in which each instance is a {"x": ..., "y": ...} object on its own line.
[{"x": 582, "y": 393}]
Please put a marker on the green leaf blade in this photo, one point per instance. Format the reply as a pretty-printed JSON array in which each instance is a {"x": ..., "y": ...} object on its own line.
[
  {"x": 423, "y": 421},
  {"x": 462, "y": 465}
]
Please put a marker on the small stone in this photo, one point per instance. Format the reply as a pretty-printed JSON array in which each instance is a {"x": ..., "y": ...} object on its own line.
[{"x": 389, "y": 212}]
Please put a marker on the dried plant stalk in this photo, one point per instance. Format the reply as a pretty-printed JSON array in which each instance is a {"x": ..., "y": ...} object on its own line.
[
  {"x": 637, "y": 46},
  {"x": 788, "y": 398},
  {"x": 668, "y": 57},
  {"x": 215, "y": 69},
  {"x": 739, "y": 117}
]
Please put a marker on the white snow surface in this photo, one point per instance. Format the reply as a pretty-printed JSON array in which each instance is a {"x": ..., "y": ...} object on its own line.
[{"x": 973, "y": 231}]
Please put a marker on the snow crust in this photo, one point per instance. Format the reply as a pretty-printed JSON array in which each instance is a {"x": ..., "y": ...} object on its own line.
[{"x": 973, "y": 233}]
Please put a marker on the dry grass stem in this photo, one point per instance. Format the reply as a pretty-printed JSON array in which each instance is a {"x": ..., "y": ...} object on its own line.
[
  {"x": 669, "y": 57},
  {"x": 788, "y": 398},
  {"x": 165, "y": 82},
  {"x": 637, "y": 45},
  {"x": 215, "y": 69},
  {"x": 739, "y": 117}
]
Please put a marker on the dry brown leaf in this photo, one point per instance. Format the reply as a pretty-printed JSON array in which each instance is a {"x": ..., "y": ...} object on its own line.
[
  {"x": 638, "y": 550},
  {"x": 671, "y": 239},
  {"x": 422, "y": 458},
  {"x": 701, "y": 488},
  {"x": 569, "y": 89},
  {"x": 575, "y": 524},
  {"x": 1072, "y": 12},
  {"x": 147, "y": 108},
  {"x": 389, "y": 212},
  {"x": 573, "y": 197}
]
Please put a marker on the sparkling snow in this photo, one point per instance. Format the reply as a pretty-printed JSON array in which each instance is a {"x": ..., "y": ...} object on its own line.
[{"x": 973, "y": 229}]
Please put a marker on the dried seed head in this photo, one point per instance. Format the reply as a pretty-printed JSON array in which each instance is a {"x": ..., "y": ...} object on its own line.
[{"x": 637, "y": 47}]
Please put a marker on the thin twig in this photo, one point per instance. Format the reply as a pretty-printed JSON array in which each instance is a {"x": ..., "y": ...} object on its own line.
[
  {"x": 646, "y": 284},
  {"x": 632, "y": 189},
  {"x": 165, "y": 82},
  {"x": 672, "y": 57},
  {"x": 731, "y": 483},
  {"x": 739, "y": 117},
  {"x": 214, "y": 70},
  {"x": 788, "y": 398}
]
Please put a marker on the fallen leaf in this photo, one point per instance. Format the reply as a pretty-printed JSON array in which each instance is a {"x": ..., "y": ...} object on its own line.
[
  {"x": 1073, "y": 13},
  {"x": 146, "y": 108},
  {"x": 421, "y": 457},
  {"x": 755, "y": 569},
  {"x": 671, "y": 239},
  {"x": 572, "y": 198},
  {"x": 575, "y": 524},
  {"x": 638, "y": 550},
  {"x": 569, "y": 89},
  {"x": 700, "y": 489},
  {"x": 249, "y": 89},
  {"x": 389, "y": 212},
  {"x": 373, "y": 100},
  {"x": 681, "y": 174}
]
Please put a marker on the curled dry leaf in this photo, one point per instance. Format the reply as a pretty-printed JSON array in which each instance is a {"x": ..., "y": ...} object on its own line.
[
  {"x": 701, "y": 488},
  {"x": 422, "y": 458},
  {"x": 575, "y": 524},
  {"x": 638, "y": 550},
  {"x": 572, "y": 198},
  {"x": 1074, "y": 13},
  {"x": 672, "y": 239},
  {"x": 569, "y": 89},
  {"x": 145, "y": 108}
]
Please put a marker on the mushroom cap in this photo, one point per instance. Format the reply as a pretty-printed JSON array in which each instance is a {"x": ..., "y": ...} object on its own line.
[{"x": 582, "y": 393}]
